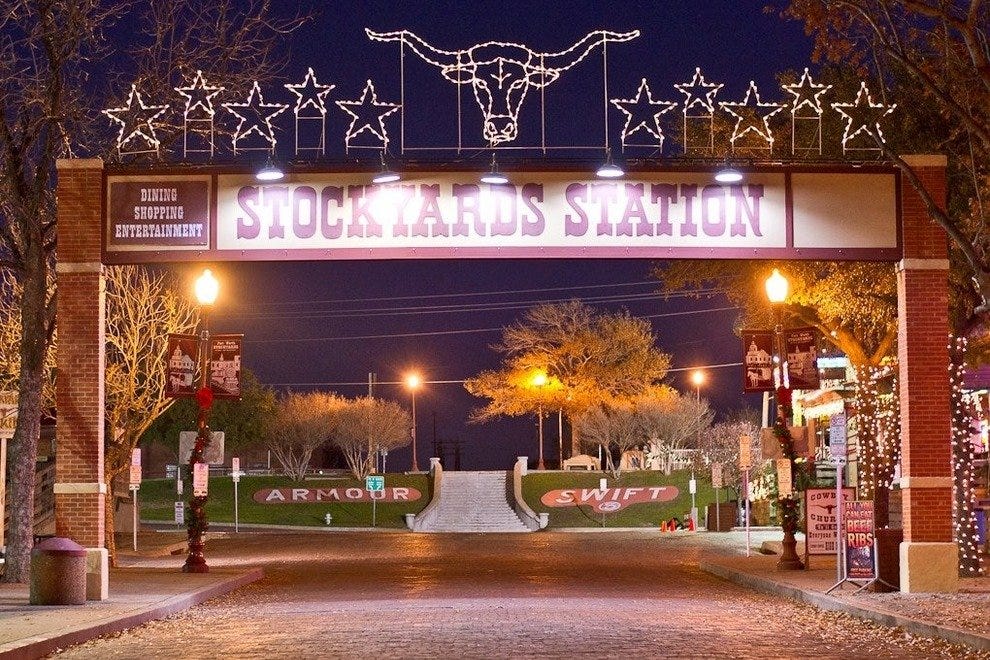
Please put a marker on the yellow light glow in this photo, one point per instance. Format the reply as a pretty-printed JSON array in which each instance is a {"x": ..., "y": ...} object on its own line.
[
  {"x": 413, "y": 381},
  {"x": 698, "y": 377},
  {"x": 777, "y": 286},
  {"x": 539, "y": 379},
  {"x": 207, "y": 288}
]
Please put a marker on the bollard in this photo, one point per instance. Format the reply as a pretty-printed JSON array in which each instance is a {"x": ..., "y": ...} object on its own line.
[{"x": 58, "y": 573}]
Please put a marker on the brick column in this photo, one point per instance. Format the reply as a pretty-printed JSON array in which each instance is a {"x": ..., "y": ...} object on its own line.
[
  {"x": 929, "y": 558},
  {"x": 80, "y": 490}
]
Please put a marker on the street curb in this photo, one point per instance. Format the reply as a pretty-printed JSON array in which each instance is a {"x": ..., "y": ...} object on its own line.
[
  {"x": 830, "y": 603},
  {"x": 37, "y": 647}
]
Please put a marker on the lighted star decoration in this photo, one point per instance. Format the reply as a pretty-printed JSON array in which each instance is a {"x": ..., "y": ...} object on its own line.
[
  {"x": 199, "y": 98},
  {"x": 806, "y": 93},
  {"x": 752, "y": 115},
  {"x": 137, "y": 122},
  {"x": 643, "y": 113},
  {"x": 863, "y": 116},
  {"x": 699, "y": 92},
  {"x": 256, "y": 116},
  {"x": 310, "y": 94},
  {"x": 367, "y": 114}
]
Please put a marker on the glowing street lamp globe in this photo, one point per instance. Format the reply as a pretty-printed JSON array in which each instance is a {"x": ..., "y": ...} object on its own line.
[
  {"x": 777, "y": 286},
  {"x": 207, "y": 288},
  {"x": 413, "y": 381},
  {"x": 698, "y": 377}
]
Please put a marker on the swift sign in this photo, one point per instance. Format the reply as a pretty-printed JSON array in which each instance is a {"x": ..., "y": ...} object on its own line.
[
  {"x": 776, "y": 213},
  {"x": 606, "y": 500}
]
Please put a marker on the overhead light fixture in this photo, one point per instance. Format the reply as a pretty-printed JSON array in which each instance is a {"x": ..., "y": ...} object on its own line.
[
  {"x": 494, "y": 177},
  {"x": 269, "y": 171},
  {"x": 608, "y": 169},
  {"x": 385, "y": 175},
  {"x": 728, "y": 174}
]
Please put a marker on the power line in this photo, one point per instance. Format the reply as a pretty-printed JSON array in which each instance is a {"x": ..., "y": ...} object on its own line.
[
  {"x": 464, "y": 380},
  {"x": 464, "y": 295},
  {"x": 438, "y": 333},
  {"x": 453, "y": 308}
]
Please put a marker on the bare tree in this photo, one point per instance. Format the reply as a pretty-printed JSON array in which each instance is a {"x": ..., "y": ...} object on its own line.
[
  {"x": 367, "y": 425},
  {"x": 53, "y": 56},
  {"x": 721, "y": 445},
  {"x": 614, "y": 428},
  {"x": 671, "y": 423},
  {"x": 143, "y": 308},
  {"x": 299, "y": 426}
]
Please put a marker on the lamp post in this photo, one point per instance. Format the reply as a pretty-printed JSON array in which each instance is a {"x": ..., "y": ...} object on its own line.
[
  {"x": 539, "y": 381},
  {"x": 413, "y": 381},
  {"x": 207, "y": 289},
  {"x": 777, "y": 286},
  {"x": 697, "y": 377}
]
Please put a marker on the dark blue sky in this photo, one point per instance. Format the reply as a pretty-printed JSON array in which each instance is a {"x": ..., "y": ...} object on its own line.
[{"x": 295, "y": 315}]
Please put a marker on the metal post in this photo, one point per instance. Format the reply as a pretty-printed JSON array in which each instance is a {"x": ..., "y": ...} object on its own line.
[
  {"x": 540, "y": 466},
  {"x": 197, "y": 525},
  {"x": 415, "y": 465},
  {"x": 235, "y": 506},
  {"x": 718, "y": 517},
  {"x": 560, "y": 438},
  {"x": 789, "y": 559},
  {"x": 839, "y": 540},
  {"x": 134, "y": 501},
  {"x": 746, "y": 506}
]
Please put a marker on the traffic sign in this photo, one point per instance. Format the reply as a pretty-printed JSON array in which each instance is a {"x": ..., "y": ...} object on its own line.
[
  {"x": 180, "y": 513},
  {"x": 374, "y": 483}
]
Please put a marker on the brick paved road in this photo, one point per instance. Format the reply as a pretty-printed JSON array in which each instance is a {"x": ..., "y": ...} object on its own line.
[{"x": 521, "y": 595}]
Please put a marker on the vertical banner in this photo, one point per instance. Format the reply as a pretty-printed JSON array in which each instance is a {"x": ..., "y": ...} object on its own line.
[
  {"x": 758, "y": 358},
  {"x": 801, "y": 349},
  {"x": 225, "y": 366},
  {"x": 860, "y": 549},
  {"x": 183, "y": 354},
  {"x": 784, "y": 479},
  {"x": 201, "y": 479}
]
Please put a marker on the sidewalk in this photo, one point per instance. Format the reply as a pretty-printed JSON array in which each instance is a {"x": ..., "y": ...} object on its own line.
[
  {"x": 960, "y": 618},
  {"x": 137, "y": 595}
]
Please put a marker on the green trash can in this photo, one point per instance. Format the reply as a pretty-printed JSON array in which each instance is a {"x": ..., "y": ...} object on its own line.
[{"x": 58, "y": 573}]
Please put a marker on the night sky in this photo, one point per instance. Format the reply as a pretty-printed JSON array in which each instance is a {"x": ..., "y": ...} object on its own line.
[{"x": 323, "y": 325}]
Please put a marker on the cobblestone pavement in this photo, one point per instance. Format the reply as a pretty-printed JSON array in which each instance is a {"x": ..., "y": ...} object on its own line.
[{"x": 513, "y": 595}]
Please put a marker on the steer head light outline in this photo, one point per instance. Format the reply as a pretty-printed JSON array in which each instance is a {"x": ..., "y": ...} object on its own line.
[{"x": 501, "y": 74}]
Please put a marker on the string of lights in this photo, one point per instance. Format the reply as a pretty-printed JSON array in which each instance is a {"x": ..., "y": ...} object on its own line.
[{"x": 963, "y": 475}]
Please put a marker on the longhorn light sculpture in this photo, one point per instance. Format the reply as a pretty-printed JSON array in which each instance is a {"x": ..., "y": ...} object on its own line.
[{"x": 501, "y": 73}]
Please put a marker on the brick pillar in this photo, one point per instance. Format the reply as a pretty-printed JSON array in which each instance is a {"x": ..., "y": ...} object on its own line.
[
  {"x": 80, "y": 490},
  {"x": 929, "y": 558}
]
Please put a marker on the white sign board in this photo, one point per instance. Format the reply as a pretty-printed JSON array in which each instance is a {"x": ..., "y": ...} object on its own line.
[
  {"x": 821, "y": 519},
  {"x": 716, "y": 475},
  {"x": 201, "y": 479},
  {"x": 135, "y": 476},
  {"x": 745, "y": 452},
  {"x": 213, "y": 454},
  {"x": 837, "y": 447},
  {"x": 180, "y": 513},
  {"x": 784, "y": 488},
  {"x": 235, "y": 469}
]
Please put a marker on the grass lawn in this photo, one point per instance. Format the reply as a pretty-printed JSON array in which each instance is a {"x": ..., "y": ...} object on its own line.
[
  {"x": 157, "y": 499},
  {"x": 647, "y": 514}
]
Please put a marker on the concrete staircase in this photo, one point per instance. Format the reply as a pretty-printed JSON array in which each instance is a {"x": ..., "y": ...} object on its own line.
[{"x": 475, "y": 502}]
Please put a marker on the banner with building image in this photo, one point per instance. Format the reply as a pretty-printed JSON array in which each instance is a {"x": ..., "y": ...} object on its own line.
[
  {"x": 801, "y": 347},
  {"x": 225, "y": 366},
  {"x": 183, "y": 355}
]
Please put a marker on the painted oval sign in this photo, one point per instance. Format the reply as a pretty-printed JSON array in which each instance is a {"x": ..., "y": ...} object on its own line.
[
  {"x": 336, "y": 494},
  {"x": 608, "y": 499}
]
